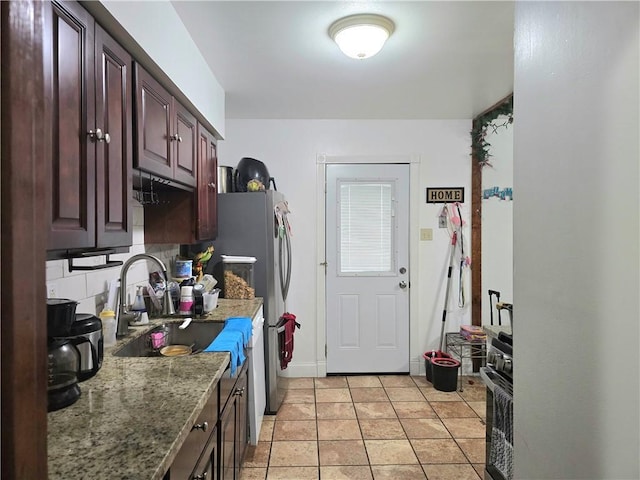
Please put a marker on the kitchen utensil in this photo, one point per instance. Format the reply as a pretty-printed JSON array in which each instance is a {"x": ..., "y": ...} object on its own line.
[
  {"x": 86, "y": 336},
  {"x": 210, "y": 300},
  {"x": 176, "y": 350},
  {"x": 157, "y": 339},
  {"x": 225, "y": 179},
  {"x": 63, "y": 365},
  {"x": 60, "y": 316},
  {"x": 250, "y": 169},
  {"x": 186, "y": 323}
]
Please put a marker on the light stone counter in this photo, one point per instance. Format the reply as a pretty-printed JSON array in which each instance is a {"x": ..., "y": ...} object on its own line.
[{"x": 134, "y": 415}]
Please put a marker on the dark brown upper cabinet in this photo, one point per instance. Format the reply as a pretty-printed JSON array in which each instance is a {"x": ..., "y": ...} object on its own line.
[
  {"x": 166, "y": 132},
  {"x": 89, "y": 79},
  {"x": 207, "y": 193},
  {"x": 184, "y": 216}
]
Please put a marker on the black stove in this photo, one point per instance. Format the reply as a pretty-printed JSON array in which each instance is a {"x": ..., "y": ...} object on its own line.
[
  {"x": 500, "y": 355},
  {"x": 498, "y": 376}
]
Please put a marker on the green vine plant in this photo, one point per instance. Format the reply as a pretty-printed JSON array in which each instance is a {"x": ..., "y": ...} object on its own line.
[{"x": 483, "y": 124}]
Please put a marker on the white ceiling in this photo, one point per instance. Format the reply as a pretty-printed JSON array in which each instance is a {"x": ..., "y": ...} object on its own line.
[{"x": 445, "y": 60}]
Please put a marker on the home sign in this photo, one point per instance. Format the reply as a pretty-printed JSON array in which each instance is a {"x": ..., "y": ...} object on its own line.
[{"x": 445, "y": 195}]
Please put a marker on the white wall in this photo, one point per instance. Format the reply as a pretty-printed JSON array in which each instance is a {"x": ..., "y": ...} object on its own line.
[
  {"x": 497, "y": 222},
  {"x": 290, "y": 149},
  {"x": 158, "y": 29},
  {"x": 90, "y": 288},
  {"x": 576, "y": 240}
]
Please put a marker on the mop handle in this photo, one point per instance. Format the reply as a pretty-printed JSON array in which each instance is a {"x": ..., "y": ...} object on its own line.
[{"x": 454, "y": 239}]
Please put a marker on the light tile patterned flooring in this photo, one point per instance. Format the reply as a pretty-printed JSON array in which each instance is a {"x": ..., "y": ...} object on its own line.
[{"x": 372, "y": 428}]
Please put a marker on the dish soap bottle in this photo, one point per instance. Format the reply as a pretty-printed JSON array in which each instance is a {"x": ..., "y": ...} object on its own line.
[{"x": 138, "y": 304}]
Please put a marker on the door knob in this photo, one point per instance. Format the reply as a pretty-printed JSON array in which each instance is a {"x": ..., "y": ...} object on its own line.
[{"x": 403, "y": 284}]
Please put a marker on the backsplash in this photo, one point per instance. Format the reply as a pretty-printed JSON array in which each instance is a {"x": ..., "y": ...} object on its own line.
[{"x": 90, "y": 288}]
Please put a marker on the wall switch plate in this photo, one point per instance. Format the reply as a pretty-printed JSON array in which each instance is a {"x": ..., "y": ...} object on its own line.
[
  {"x": 52, "y": 291},
  {"x": 426, "y": 234}
]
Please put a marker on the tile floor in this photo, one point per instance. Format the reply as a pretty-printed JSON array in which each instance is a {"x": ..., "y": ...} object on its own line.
[{"x": 372, "y": 428}]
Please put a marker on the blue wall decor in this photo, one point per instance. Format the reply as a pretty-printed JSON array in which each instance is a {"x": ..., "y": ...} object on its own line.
[{"x": 504, "y": 194}]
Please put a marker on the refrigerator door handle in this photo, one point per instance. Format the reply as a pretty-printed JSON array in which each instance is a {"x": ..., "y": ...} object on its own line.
[{"x": 284, "y": 243}]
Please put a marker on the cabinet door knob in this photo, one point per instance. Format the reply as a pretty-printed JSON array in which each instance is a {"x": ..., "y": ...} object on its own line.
[
  {"x": 179, "y": 138},
  {"x": 211, "y": 185},
  {"x": 98, "y": 135},
  {"x": 204, "y": 426},
  {"x": 239, "y": 391},
  {"x": 200, "y": 477}
]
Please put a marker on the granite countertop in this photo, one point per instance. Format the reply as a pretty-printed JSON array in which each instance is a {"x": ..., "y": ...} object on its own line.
[{"x": 134, "y": 415}]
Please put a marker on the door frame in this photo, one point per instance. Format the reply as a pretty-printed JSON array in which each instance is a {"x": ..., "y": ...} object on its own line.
[
  {"x": 25, "y": 108},
  {"x": 322, "y": 160}
]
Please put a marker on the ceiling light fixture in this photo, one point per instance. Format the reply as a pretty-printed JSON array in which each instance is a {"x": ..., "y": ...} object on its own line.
[{"x": 361, "y": 36}]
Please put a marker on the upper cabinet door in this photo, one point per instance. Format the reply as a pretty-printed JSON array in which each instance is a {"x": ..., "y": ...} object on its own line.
[
  {"x": 166, "y": 132},
  {"x": 72, "y": 206},
  {"x": 206, "y": 204},
  {"x": 114, "y": 154},
  {"x": 184, "y": 142},
  {"x": 153, "y": 118}
]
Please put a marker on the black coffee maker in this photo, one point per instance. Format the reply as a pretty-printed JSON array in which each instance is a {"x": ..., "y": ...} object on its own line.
[{"x": 63, "y": 356}]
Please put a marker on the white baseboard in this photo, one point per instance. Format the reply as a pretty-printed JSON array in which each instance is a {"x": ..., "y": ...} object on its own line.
[
  {"x": 294, "y": 370},
  {"x": 301, "y": 370},
  {"x": 416, "y": 367}
]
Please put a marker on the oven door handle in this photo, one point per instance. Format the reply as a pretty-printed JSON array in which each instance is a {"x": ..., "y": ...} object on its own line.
[{"x": 486, "y": 374}]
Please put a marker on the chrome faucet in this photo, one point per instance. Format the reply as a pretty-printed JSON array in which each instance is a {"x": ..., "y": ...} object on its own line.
[{"x": 124, "y": 316}]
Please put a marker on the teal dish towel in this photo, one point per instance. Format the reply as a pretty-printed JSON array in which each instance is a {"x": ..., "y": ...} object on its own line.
[
  {"x": 240, "y": 324},
  {"x": 229, "y": 341}
]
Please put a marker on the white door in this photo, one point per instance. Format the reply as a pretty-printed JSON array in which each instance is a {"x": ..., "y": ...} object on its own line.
[{"x": 367, "y": 225}]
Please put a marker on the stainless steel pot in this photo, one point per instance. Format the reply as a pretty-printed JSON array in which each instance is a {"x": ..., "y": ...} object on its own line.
[{"x": 225, "y": 179}]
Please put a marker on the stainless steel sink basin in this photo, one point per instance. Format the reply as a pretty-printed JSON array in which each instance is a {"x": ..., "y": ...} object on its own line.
[{"x": 197, "y": 334}]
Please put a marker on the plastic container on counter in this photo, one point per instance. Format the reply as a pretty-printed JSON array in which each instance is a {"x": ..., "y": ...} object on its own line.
[
  {"x": 238, "y": 277},
  {"x": 108, "y": 318}
]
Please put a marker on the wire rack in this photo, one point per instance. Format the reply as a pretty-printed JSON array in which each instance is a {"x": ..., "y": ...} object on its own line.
[{"x": 460, "y": 348}]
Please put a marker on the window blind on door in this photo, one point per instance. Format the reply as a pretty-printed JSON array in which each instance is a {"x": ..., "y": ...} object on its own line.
[{"x": 365, "y": 227}]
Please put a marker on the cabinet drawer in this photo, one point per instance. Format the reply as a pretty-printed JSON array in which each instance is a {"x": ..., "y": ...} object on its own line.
[{"x": 193, "y": 447}]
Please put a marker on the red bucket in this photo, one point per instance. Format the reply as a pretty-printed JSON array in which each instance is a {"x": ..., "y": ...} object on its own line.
[{"x": 428, "y": 357}]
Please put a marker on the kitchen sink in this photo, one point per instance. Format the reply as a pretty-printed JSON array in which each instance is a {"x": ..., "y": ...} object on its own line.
[{"x": 198, "y": 335}]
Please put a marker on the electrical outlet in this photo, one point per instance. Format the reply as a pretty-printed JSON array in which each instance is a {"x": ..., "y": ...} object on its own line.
[
  {"x": 52, "y": 291},
  {"x": 426, "y": 234}
]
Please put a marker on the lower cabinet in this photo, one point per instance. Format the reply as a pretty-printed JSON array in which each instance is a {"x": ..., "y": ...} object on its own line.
[
  {"x": 233, "y": 427},
  {"x": 218, "y": 439},
  {"x": 195, "y": 453}
]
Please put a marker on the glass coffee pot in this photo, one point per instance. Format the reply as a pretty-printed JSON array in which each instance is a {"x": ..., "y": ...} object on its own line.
[{"x": 63, "y": 366}]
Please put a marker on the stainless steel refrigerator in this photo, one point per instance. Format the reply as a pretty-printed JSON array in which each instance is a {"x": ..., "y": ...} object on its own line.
[{"x": 248, "y": 226}]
